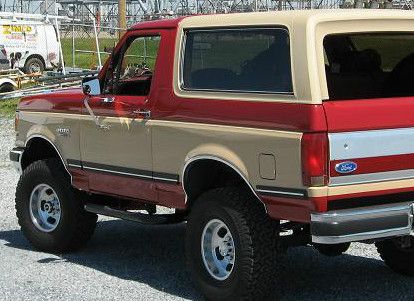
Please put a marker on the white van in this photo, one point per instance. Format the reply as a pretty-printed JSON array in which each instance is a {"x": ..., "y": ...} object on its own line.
[{"x": 30, "y": 45}]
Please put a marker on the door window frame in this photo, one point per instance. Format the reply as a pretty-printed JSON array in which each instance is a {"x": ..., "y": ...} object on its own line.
[{"x": 119, "y": 52}]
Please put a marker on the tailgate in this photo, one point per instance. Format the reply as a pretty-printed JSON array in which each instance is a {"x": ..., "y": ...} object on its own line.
[{"x": 370, "y": 140}]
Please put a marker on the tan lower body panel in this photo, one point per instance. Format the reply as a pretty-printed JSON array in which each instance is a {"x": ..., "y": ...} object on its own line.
[{"x": 146, "y": 160}]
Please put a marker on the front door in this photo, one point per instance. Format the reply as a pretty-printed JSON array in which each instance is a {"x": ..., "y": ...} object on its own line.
[{"x": 116, "y": 145}]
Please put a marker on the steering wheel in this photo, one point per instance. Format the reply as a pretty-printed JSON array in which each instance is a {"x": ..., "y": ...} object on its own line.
[{"x": 142, "y": 72}]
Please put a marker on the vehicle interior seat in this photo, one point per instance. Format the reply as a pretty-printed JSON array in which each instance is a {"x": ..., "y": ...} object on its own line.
[{"x": 359, "y": 74}]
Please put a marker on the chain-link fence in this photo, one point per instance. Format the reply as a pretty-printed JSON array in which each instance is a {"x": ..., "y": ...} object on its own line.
[{"x": 87, "y": 45}]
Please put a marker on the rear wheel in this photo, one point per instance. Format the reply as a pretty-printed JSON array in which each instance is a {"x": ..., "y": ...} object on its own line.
[
  {"x": 232, "y": 246},
  {"x": 34, "y": 65},
  {"x": 50, "y": 212},
  {"x": 332, "y": 250},
  {"x": 398, "y": 254}
]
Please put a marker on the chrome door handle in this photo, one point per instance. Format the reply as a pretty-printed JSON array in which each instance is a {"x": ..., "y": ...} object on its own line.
[{"x": 143, "y": 113}]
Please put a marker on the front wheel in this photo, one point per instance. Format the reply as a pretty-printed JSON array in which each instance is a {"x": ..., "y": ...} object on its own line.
[
  {"x": 398, "y": 254},
  {"x": 232, "y": 246},
  {"x": 50, "y": 212}
]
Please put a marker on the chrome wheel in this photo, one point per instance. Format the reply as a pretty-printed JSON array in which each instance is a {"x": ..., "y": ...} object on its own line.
[
  {"x": 217, "y": 249},
  {"x": 35, "y": 67},
  {"x": 44, "y": 208}
]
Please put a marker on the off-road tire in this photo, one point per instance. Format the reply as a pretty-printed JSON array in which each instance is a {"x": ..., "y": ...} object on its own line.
[
  {"x": 33, "y": 61},
  {"x": 332, "y": 250},
  {"x": 400, "y": 261},
  {"x": 256, "y": 242},
  {"x": 6, "y": 87},
  {"x": 75, "y": 227}
]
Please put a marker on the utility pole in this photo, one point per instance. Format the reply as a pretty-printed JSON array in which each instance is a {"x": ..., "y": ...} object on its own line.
[{"x": 121, "y": 16}]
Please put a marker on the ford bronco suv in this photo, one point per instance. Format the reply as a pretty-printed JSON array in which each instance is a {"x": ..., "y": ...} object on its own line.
[{"x": 261, "y": 131}]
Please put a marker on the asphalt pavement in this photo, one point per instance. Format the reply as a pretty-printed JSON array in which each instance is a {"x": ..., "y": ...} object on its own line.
[{"x": 128, "y": 261}]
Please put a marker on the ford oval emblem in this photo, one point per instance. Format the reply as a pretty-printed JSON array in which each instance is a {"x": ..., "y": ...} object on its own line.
[{"x": 346, "y": 167}]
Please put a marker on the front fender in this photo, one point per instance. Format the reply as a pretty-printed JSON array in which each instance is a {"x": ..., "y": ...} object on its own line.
[{"x": 41, "y": 131}]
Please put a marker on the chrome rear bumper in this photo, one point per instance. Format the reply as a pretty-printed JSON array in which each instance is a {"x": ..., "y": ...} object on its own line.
[
  {"x": 360, "y": 224},
  {"x": 16, "y": 158}
]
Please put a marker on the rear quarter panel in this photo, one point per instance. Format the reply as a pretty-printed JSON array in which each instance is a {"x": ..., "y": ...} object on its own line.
[{"x": 175, "y": 143}]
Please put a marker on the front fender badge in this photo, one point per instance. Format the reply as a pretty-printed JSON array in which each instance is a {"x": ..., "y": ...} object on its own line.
[{"x": 63, "y": 132}]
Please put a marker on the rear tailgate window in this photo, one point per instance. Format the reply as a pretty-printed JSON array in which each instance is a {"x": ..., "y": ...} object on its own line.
[{"x": 369, "y": 65}]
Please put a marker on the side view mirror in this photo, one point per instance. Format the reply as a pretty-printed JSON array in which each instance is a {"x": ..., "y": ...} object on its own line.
[
  {"x": 86, "y": 89},
  {"x": 91, "y": 86}
]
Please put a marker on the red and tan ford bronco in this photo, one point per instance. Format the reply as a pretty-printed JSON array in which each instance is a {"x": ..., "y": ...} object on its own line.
[{"x": 262, "y": 131}]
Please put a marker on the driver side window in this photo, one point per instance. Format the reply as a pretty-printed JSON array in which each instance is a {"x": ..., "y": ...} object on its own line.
[{"x": 132, "y": 71}]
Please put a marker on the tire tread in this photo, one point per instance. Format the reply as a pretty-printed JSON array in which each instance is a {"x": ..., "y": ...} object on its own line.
[
  {"x": 399, "y": 261},
  {"x": 257, "y": 231},
  {"x": 82, "y": 223}
]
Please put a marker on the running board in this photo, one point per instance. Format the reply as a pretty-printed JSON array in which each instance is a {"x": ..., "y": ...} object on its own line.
[{"x": 155, "y": 219}]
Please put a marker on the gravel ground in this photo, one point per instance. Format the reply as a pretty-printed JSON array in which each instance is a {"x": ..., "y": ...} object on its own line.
[{"x": 126, "y": 261}]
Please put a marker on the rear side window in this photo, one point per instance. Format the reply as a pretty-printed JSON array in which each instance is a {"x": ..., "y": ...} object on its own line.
[
  {"x": 238, "y": 60},
  {"x": 369, "y": 65}
]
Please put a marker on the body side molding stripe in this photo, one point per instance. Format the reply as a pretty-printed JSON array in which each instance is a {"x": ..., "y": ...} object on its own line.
[
  {"x": 284, "y": 192},
  {"x": 125, "y": 171},
  {"x": 162, "y": 176},
  {"x": 74, "y": 163}
]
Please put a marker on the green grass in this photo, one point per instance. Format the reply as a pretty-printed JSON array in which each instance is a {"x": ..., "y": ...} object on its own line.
[
  {"x": 140, "y": 52},
  {"x": 8, "y": 107},
  {"x": 85, "y": 60}
]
